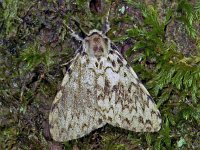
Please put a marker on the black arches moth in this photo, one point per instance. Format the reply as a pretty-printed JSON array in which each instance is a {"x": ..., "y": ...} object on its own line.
[{"x": 98, "y": 88}]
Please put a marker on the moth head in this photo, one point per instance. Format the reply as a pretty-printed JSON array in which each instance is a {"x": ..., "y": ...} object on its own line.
[{"x": 97, "y": 44}]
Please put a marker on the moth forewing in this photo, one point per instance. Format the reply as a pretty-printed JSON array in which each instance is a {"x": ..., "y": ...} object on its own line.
[{"x": 98, "y": 88}]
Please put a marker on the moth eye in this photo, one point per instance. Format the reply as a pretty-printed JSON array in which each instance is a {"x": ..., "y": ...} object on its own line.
[{"x": 106, "y": 40}]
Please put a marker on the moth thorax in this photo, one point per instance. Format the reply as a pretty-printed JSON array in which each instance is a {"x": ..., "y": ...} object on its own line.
[{"x": 96, "y": 45}]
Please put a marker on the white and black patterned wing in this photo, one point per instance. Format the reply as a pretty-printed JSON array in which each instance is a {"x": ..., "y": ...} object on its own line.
[
  {"x": 125, "y": 102},
  {"x": 73, "y": 112}
]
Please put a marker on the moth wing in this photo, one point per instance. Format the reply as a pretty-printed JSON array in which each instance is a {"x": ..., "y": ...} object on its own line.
[
  {"x": 127, "y": 103},
  {"x": 73, "y": 112}
]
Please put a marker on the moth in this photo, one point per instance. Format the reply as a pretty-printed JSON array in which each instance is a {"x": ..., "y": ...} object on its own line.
[{"x": 99, "y": 88}]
